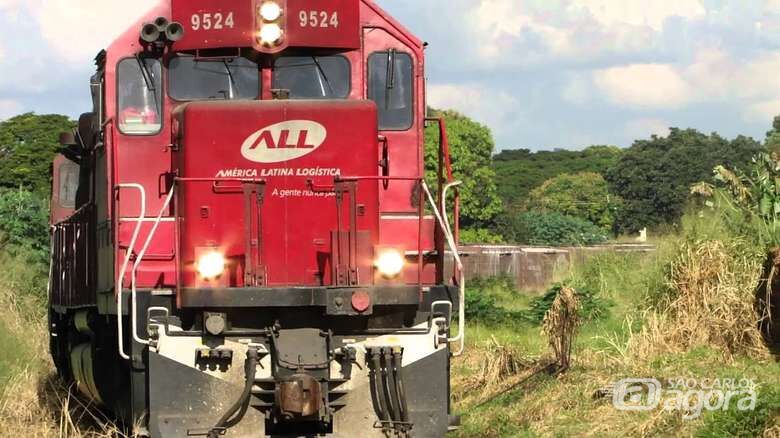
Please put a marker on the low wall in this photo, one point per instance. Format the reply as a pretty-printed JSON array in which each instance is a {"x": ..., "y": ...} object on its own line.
[{"x": 533, "y": 268}]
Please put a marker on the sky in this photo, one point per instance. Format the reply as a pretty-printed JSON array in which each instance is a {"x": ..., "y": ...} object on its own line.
[{"x": 542, "y": 74}]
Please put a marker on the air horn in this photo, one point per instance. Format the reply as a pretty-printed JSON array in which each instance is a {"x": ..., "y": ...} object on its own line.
[{"x": 161, "y": 31}]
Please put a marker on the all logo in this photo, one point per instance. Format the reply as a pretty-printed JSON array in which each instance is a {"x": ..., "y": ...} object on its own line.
[{"x": 284, "y": 141}]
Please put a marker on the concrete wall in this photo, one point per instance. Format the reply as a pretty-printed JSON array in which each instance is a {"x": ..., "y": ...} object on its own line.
[{"x": 533, "y": 268}]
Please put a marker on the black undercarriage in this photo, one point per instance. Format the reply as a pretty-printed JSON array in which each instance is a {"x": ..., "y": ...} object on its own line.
[{"x": 268, "y": 362}]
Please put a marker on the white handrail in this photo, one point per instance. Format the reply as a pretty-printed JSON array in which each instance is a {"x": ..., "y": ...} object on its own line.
[
  {"x": 443, "y": 222},
  {"x": 141, "y": 254},
  {"x": 118, "y": 282}
]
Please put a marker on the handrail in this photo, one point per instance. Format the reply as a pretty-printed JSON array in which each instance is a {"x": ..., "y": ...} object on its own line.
[
  {"x": 118, "y": 282},
  {"x": 149, "y": 237},
  {"x": 442, "y": 218}
]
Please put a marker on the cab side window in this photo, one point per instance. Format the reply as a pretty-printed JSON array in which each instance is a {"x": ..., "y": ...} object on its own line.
[
  {"x": 391, "y": 86},
  {"x": 68, "y": 184},
  {"x": 140, "y": 96}
]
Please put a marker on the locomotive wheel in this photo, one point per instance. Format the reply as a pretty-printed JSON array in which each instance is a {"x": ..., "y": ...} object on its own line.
[{"x": 82, "y": 360}]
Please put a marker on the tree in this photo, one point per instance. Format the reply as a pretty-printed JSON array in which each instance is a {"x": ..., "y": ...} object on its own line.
[
  {"x": 28, "y": 143},
  {"x": 584, "y": 195},
  {"x": 653, "y": 177},
  {"x": 471, "y": 151},
  {"x": 520, "y": 171},
  {"x": 24, "y": 221},
  {"x": 772, "y": 141}
]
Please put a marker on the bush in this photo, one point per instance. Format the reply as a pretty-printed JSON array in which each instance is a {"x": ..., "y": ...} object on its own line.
[
  {"x": 24, "y": 222},
  {"x": 479, "y": 236},
  {"x": 555, "y": 229},
  {"x": 583, "y": 195},
  {"x": 482, "y": 304},
  {"x": 592, "y": 307}
]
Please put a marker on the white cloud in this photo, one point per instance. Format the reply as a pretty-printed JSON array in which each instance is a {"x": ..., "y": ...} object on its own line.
[
  {"x": 79, "y": 28},
  {"x": 578, "y": 89},
  {"x": 644, "y": 86},
  {"x": 498, "y": 110},
  {"x": 9, "y": 5},
  {"x": 646, "y": 127},
  {"x": 640, "y": 12},
  {"x": 763, "y": 111},
  {"x": 500, "y": 23},
  {"x": 9, "y": 108}
]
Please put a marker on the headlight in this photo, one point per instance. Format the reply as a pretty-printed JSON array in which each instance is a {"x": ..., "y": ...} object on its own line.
[
  {"x": 211, "y": 265},
  {"x": 270, "y": 11},
  {"x": 390, "y": 263},
  {"x": 270, "y": 34}
]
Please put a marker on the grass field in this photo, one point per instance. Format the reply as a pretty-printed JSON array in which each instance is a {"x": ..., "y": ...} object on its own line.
[
  {"x": 685, "y": 310},
  {"x": 607, "y": 349}
]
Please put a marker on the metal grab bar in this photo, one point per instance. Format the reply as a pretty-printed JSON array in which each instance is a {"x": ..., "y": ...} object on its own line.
[
  {"x": 149, "y": 237},
  {"x": 118, "y": 282},
  {"x": 442, "y": 218}
]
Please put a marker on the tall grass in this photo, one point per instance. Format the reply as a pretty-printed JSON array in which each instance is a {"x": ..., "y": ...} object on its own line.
[
  {"x": 34, "y": 402},
  {"x": 687, "y": 309}
]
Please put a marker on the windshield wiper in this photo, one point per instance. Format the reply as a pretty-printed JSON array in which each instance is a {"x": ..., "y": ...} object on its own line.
[
  {"x": 148, "y": 80},
  {"x": 324, "y": 76},
  {"x": 145, "y": 73},
  {"x": 231, "y": 80}
]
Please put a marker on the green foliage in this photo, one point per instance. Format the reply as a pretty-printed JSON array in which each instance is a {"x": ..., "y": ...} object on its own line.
[
  {"x": 24, "y": 222},
  {"x": 755, "y": 195},
  {"x": 592, "y": 307},
  {"x": 584, "y": 195},
  {"x": 471, "y": 150},
  {"x": 654, "y": 176},
  {"x": 480, "y": 236},
  {"x": 28, "y": 143},
  {"x": 482, "y": 304},
  {"x": 520, "y": 171},
  {"x": 555, "y": 229},
  {"x": 740, "y": 423},
  {"x": 772, "y": 141}
]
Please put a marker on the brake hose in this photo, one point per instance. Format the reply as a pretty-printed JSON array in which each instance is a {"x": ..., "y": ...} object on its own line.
[{"x": 239, "y": 408}]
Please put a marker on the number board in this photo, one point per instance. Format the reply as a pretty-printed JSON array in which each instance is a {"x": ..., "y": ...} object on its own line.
[
  {"x": 234, "y": 23},
  {"x": 323, "y": 23},
  {"x": 214, "y": 23}
]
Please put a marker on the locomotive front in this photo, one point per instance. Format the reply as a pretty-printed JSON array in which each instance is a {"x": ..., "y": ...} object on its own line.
[{"x": 277, "y": 260}]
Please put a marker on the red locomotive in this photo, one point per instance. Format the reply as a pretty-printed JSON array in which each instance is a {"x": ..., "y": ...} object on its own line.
[{"x": 243, "y": 240}]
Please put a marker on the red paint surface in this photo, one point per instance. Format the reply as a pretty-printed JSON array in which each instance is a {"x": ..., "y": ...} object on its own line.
[
  {"x": 295, "y": 230},
  {"x": 297, "y": 222}
]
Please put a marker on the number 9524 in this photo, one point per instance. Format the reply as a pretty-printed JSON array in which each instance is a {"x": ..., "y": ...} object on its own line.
[{"x": 318, "y": 19}]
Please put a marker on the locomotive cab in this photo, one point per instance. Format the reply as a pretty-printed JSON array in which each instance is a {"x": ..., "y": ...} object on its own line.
[{"x": 255, "y": 250}]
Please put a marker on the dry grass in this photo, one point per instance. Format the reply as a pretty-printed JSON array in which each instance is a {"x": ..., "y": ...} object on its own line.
[
  {"x": 35, "y": 402},
  {"x": 711, "y": 302},
  {"x": 493, "y": 368},
  {"x": 560, "y": 326},
  {"x": 38, "y": 404}
]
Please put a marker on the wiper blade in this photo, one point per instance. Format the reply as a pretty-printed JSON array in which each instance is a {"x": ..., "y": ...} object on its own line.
[
  {"x": 324, "y": 76},
  {"x": 149, "y": 81},
  {"x": 145, "y": 73},
  {"x": 231, "y": 80}
]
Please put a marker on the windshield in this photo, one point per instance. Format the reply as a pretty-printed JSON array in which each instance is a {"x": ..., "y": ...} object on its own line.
[
  {"x": 228, "y": 78},
  {"x": 313, "y": 77}
]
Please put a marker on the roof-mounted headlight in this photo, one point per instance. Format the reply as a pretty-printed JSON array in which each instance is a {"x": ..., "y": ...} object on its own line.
[{"x": 270, "y": 11}]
